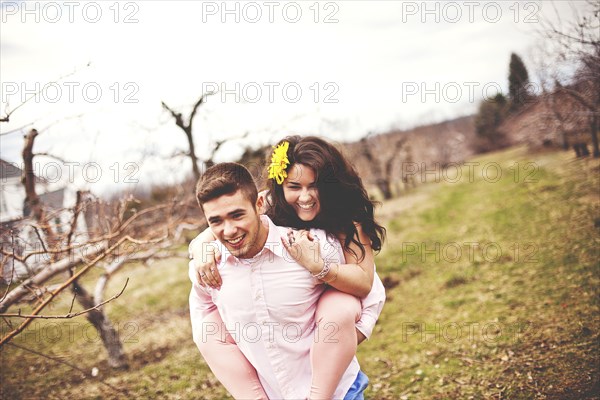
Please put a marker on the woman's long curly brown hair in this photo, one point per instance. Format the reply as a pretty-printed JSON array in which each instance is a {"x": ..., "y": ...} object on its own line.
[{"x": 344, "y": 200}]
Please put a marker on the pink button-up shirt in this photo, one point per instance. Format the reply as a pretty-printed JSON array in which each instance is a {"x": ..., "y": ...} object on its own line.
[{"x": 268, "y": 306}]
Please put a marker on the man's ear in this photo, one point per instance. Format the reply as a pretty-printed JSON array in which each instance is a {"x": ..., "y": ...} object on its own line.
[{"x": 260, "y": 203}]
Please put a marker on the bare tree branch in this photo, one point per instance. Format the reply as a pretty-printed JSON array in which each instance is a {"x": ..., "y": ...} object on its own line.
[
  {"x": 152, "y": 253},
  {"x": 9, "y": 113},
  {"x": 76, "y": 211},
  {"x": 187, "y": 129},
  {"x": 64, "y": 285},
  {"x": 51, "y": 156},
  {"x": 195, "y": 108},
  {"x": 12, "y": 272},
  {"x": 118, "y": 230},
  {"x": 69, "y": 314},
  {"x": 20, "y": 130},
  {"x": 37, "y": 232},
  {"x": 577, "y": 96}
]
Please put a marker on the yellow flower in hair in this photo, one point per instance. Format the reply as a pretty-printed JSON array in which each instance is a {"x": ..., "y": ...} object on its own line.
[{"x": 279, "y": 163}]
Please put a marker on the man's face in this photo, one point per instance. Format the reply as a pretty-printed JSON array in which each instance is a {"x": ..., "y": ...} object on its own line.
[{"x": 235, "y": 222}]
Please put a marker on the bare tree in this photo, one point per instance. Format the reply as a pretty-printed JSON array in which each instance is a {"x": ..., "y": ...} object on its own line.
[
  {"x": 565, "y": 116},
  {"x": 152, "y": 231},
  {"x": 382, "y": 167},
  {"x": 578, "y": 43},
  {"x": 186, "y": 127},
  {"x": 145, "y": 235},
  {"x": 44, "y": 252}
]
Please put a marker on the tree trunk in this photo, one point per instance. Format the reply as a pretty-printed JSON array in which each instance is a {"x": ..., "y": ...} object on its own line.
[
  {"x": 398, "y": 187},
  {"x": 581, "y": 149},
  {"x": 594, "y": 133},
  {"x": 187, "y": 129},
  {"x": 584, "y": 150},
  {"x": 565, "y": 140},
  {"x": 384, "y": 187},
  {"x": 193, "y": 157},
  {"x": 32, "y": 206},
  {"x": 109, "y": 336}
]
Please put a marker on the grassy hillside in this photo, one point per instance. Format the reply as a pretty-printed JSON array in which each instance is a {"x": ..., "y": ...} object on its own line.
[{"x": 492, "y": 293}]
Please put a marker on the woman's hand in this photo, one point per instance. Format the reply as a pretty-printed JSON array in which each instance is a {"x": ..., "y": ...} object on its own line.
[
  {"x": 305, "y": 249},
  {"x": 206, "y": 256},
  {"x": 208, "y": 274}
]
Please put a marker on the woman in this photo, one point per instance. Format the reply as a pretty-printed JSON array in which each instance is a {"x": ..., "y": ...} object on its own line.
[{"x": 311, "y": 185}]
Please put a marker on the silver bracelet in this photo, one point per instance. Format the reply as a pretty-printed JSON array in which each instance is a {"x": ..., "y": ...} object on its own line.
[{"x": 324, "y": 271}]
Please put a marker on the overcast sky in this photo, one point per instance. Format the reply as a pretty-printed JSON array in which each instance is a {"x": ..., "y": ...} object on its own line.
[{"x": 338, "y": 69}]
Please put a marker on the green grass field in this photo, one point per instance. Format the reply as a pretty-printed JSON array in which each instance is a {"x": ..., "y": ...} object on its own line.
[{"x": 493, "y": 292}]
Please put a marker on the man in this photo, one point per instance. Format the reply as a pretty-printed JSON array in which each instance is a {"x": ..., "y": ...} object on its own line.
[{"x": 267, "y": 300}]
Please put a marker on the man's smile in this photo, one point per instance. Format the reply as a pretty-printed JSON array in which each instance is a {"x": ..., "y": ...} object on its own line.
[{"x": 236, "y": 242}]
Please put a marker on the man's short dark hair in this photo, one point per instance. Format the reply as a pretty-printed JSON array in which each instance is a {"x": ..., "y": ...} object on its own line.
[{"x": 225, "y": 179}]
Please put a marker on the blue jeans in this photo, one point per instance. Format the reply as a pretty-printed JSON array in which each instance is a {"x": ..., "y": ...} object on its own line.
[{"x": 358, "y": 387}]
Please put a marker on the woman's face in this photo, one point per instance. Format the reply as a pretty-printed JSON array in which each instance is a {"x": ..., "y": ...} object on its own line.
[{"x": 300, "y": 191}]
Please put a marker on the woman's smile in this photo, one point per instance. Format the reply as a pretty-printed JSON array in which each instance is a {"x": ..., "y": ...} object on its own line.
[{"x": 300, "y": 191}]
